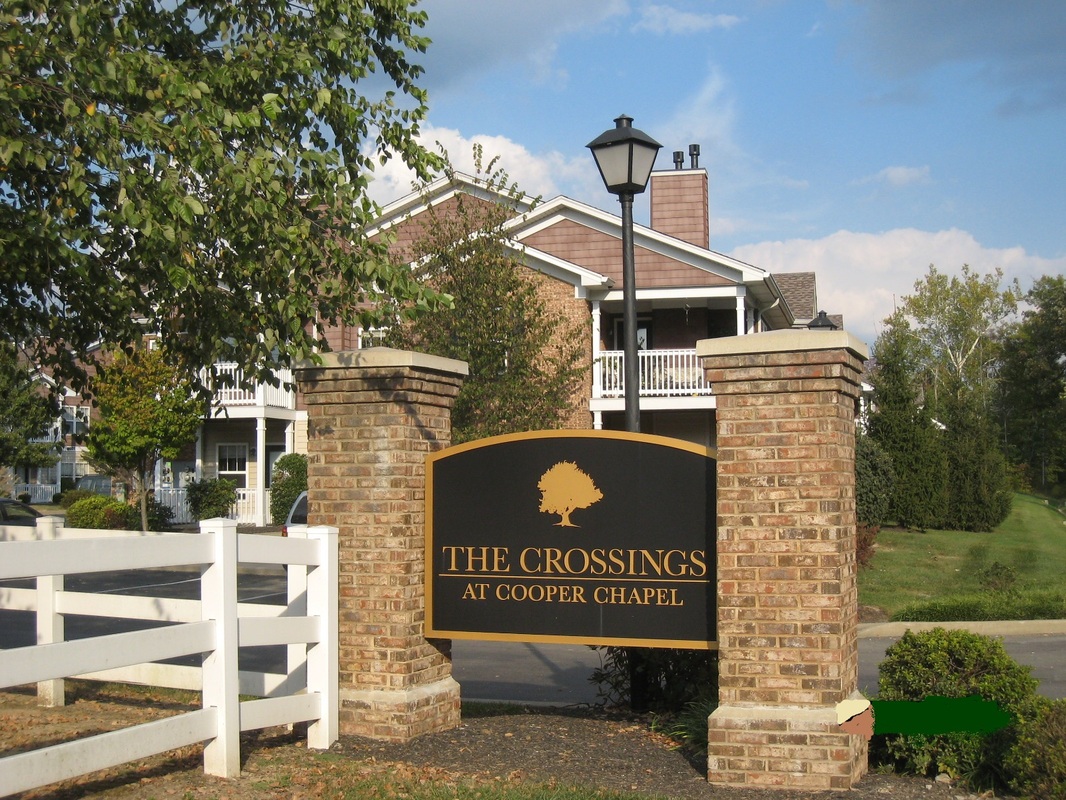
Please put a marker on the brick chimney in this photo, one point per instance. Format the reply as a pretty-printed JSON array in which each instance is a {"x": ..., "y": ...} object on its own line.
[{"x": 680, "y": 206}]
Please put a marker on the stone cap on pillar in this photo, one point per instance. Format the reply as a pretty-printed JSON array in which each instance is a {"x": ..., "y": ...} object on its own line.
[
  {"x": 795, "y": 340},
  {"x": 383, "y": 358}
]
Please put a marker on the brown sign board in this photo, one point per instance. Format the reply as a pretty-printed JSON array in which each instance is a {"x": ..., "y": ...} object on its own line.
[{"x": 591, "y": 537}]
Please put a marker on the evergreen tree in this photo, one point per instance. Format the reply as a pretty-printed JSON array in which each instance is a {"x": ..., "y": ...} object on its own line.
[
  {"x": 979, "y": 495},
  {"x": 1032, "y": 400},
  {"x": 903, "y": 428}
]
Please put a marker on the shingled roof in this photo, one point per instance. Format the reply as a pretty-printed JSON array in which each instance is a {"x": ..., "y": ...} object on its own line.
[{"x": 801, "y": 294}]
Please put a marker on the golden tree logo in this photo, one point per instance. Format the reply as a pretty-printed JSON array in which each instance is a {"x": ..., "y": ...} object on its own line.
[{"x": 565, "y": 488}]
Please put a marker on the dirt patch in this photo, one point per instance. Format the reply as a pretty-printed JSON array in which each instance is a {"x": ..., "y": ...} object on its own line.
[{"x": 559, "y": 747}]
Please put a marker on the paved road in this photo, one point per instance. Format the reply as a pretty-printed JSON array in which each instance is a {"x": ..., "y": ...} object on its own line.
[{"x": 556, "y": 674}]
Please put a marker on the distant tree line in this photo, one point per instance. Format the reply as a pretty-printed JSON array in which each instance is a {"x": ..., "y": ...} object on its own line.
[{"x": 969, "y": 402}]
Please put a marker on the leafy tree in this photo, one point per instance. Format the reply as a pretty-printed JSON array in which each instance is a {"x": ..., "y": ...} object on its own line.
[
  {"x": 901, "y": 425},
  {"x": 958, "y": 323},
  {"x": 198, "y": 171},
  {"x": 1033, "y": 384},
  {"x": 26, "y": 413},
  {"x": 524, "y": 362},
  {"x": 146, "y": 413}
]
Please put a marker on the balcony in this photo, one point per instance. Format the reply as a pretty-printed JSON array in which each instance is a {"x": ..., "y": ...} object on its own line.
[
  {"x": 262, "y": 395},
  {"x": 663, "y": 373}
]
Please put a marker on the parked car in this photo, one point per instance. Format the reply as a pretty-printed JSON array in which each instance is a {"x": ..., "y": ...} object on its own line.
[
  {"x": 297, "y": 514},
  {"x": 97, "y": 484},
  {"x": 12, "y": 512}
]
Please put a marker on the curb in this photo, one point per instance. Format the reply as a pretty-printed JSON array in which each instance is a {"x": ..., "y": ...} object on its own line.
[{"x": 875, "y": 630}]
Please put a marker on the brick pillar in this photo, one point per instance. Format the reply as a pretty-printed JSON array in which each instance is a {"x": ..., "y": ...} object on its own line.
[
  {"x": 787, "y": 601},
  {"x": 373, "y": 415}
]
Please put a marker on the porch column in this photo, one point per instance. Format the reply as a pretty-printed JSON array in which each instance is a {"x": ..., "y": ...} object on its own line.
[
  {"x": 262, "y": 515},
  {"x": 199, "y": 468},
  {"x": 741, "y": 316},
  {"x": 787, "y": 599},
  {"x": 597, "y": 371},
  {"x": 373, "y": 416}
]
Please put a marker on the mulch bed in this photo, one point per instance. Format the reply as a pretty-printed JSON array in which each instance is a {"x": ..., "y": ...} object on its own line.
[{"x": 612, "y": 751}]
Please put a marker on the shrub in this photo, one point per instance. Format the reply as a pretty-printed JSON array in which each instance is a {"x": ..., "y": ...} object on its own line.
[
  {"x": 865, "y": 539},
  {"x": 875, "y": 482},
  {"x": 71, "y": 496},
  {"x": 97, "y": 511},
  {"x": 160, "y": 516},
  {"x": 690, "y": 726},
  {"x": 1036, "y": 763},
  {"x": 956, "y": 664},
  {"x": 288, "y": 479},
  {"x": 674, "y": 678},
  {"x": 210, "y": 499},
  {"x": 24, "y": 497}
]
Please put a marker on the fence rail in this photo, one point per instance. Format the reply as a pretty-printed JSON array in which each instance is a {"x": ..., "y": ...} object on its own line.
[
  {"x": 663, "y": 373},
  {"x": 215, "y": 625}
]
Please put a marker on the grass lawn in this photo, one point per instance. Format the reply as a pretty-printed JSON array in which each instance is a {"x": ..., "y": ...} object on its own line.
[{"x": 912, "y": 567}]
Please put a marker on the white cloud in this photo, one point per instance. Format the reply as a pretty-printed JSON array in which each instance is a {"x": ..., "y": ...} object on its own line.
[
  {"x": 899, "y": 176},
  {"x": 666, "y": 20},
  {"x": 536, "y": 174},
  {"x": 861, "y": 275}
]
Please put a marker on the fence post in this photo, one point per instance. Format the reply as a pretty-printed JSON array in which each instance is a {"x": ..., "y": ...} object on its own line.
[
  {"x": 218, "y": 602},
  {"x": 296, "y": 606},
  {"x": 323, "y": 658},
  {"x": 50, "y": 626}
]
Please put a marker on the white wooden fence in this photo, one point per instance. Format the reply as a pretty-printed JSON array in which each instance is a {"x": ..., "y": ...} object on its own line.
[{"x": 215, "y": 626}]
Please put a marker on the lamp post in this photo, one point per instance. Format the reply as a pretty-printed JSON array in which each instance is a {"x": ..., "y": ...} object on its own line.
[{"x": 625, "y": 156}]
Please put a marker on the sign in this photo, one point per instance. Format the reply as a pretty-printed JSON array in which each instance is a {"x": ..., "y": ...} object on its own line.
[{"x": 592, "y": 537}]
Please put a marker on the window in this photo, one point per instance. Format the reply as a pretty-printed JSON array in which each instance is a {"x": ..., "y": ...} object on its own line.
[
  {"x": 75, "y": 420},
  {"x": 233, "y": 463},
  {"x": 372, "y": 337}
]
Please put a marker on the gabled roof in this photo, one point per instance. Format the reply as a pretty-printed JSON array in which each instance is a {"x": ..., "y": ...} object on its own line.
[
  {"x": 437, "y": 191},
  {"x": 581, "y": 245}
]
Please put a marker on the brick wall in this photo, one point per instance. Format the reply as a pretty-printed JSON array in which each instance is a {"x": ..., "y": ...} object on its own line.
[
  {"x": 787, "y": 601},
  {"x": 372, "y": 418}
]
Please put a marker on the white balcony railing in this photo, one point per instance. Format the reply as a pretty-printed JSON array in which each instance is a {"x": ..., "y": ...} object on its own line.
[
  {"x": 262, "y": 395},
  {"x": 663, "y": 373}
]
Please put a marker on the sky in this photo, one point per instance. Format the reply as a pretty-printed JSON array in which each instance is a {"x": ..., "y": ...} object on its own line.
[{"x": 860, "y": 140}]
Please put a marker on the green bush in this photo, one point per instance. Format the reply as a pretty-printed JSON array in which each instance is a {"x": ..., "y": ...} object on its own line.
[
  {"x": 160, "y": 516},
  {"x": 673, "y": 678},
  {"x": 955, "y": 664},
  {"x": 1036, "y": 763},
  {"x": 210, "y": 499},
  {"x": 875, "y": 482},
  {"x": 287, "y": 481},
  {"x": 71, "y": 496},
  {"x": 865, "y": 539},
  {"x": 99, "y": 512}
]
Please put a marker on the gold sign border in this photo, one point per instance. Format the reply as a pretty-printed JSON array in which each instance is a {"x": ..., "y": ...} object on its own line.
[{"x": 644, "y": 438}]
